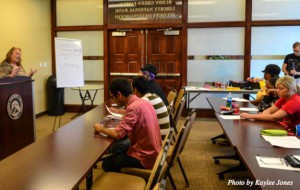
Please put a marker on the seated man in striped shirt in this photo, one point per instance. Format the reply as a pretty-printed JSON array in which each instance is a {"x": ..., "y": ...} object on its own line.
[{"x": 141, "y": 90}]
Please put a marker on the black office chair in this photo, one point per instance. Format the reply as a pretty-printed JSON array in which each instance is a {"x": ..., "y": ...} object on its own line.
[
  {"x": 235, "y": 156},
  {"x": 214, "y": 139}
]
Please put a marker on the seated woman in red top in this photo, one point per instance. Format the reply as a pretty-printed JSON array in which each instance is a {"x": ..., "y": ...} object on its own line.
[{"x": 286, "y": 109}]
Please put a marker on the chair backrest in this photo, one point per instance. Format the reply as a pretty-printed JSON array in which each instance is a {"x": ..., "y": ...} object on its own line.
[
  {"x": 177, "y": 143},
  {"x": 177, "y": 101},
  {"x": 171, "y": 98},
  {"x": 177, "y": 115},
  {"x": 189, "y": 125},
  {"x": 169, "y": 136},
  {"x": 159, "y": 168}
]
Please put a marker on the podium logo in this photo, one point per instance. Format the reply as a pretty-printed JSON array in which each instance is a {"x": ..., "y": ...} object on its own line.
[{"x": 15, "y": 106}]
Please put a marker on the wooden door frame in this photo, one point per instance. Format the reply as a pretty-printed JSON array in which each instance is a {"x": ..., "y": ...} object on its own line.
[{"x": 183, "y": 72}]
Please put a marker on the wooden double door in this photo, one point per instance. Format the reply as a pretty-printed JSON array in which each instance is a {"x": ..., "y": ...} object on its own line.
[{"x": 131, "y": 50}]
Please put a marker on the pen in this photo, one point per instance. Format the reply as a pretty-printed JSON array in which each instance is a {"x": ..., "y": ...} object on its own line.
[{"x": 286, "y": 163}]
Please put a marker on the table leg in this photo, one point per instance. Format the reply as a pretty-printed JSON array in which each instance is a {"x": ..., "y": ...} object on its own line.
[
  {"x": 92, "y": 99},
  {"x": 89, "y": 180},
  {"x": 83, "y": 98}
]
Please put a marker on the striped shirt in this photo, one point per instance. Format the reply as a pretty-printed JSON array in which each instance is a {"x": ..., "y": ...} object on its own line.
[{"x": 161, "y": 112}]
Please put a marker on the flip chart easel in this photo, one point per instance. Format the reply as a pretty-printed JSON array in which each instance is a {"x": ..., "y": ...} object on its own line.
[{"x": 69, "y": 65}]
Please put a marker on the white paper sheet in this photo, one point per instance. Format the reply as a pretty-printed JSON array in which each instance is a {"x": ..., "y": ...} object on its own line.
[
  {"x": 283, "y": 141},
  {"x": 230, "y": 117},
  {"x": 235, "y": 99},
  {"x": 105, "y": 135},
  {"x": 188, "y": 88},
  {"x": 248, "y": 109},
  {"x": 240, "y": 100},
  {"x": 114, "y": 115}
]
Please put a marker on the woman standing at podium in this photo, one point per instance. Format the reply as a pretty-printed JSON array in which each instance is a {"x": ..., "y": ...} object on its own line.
[{"x": 11, "y": 66}]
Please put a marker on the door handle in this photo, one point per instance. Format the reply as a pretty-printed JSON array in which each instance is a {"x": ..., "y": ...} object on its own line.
[
  {"x": 136, "y": 74},
  {"x": 124, "y": 74},
  {"x": 168, "y": 75}
]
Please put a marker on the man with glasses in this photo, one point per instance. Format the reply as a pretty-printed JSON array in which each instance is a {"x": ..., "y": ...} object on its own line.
[
  {"x": 141, "y": 126},
  {"x": 291, "y": 64}
]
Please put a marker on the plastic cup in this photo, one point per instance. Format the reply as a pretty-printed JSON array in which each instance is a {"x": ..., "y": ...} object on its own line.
[{"x": 236, "y": 110}]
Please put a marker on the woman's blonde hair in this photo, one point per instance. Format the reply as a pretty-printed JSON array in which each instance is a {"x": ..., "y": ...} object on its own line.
[
  {"x": 8, "y": 56},
  {"x": 290, "y": 83}
]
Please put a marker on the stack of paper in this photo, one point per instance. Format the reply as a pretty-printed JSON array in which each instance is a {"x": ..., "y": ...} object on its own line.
[{"x": 283, "y": 141}]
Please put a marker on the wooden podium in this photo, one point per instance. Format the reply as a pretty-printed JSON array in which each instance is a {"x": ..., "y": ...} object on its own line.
[{"x": 17, "y": 126}]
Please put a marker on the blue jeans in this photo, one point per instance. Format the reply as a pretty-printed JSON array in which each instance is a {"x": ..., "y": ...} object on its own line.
[{"x": 120, "y": 146}]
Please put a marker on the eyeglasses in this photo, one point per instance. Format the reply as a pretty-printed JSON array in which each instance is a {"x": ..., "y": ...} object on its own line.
[
  {"x": 112, "y": 96},
  {"x": 281, "y": 88}
]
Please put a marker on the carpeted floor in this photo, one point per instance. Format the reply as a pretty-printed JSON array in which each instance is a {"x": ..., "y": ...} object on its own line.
[
  {"x": 196, "y": 156},
  {"x": 199, "y": 164}
]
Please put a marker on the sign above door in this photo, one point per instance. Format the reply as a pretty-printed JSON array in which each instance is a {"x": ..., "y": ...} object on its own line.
[{"x": 144, "y": 12}]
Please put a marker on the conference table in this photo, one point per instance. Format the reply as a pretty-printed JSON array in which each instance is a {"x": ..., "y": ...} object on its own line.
[
  {"x": 59, "y": 161},
  {"x": 198, "y": 89},
  {"x": 242, "y": 131},
  {"x": 267, "y": 178},
  {"x": 244, "y": 136}
]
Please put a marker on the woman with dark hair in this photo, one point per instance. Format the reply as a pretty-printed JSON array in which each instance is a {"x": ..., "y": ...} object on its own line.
[{"x": 11, "y": 66}]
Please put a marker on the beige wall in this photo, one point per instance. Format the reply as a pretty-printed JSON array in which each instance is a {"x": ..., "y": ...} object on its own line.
[{"x": 26, "y": 24}]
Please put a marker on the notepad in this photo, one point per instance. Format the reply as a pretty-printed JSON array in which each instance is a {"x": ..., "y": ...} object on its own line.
[{"x": 274, "y": 163}]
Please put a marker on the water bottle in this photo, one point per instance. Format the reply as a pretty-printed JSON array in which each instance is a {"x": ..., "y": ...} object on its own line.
[{"x": 229, "y": 101}]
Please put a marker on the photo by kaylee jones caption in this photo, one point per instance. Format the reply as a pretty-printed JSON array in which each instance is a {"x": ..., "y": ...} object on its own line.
[{"x": 258, "y": 182}]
